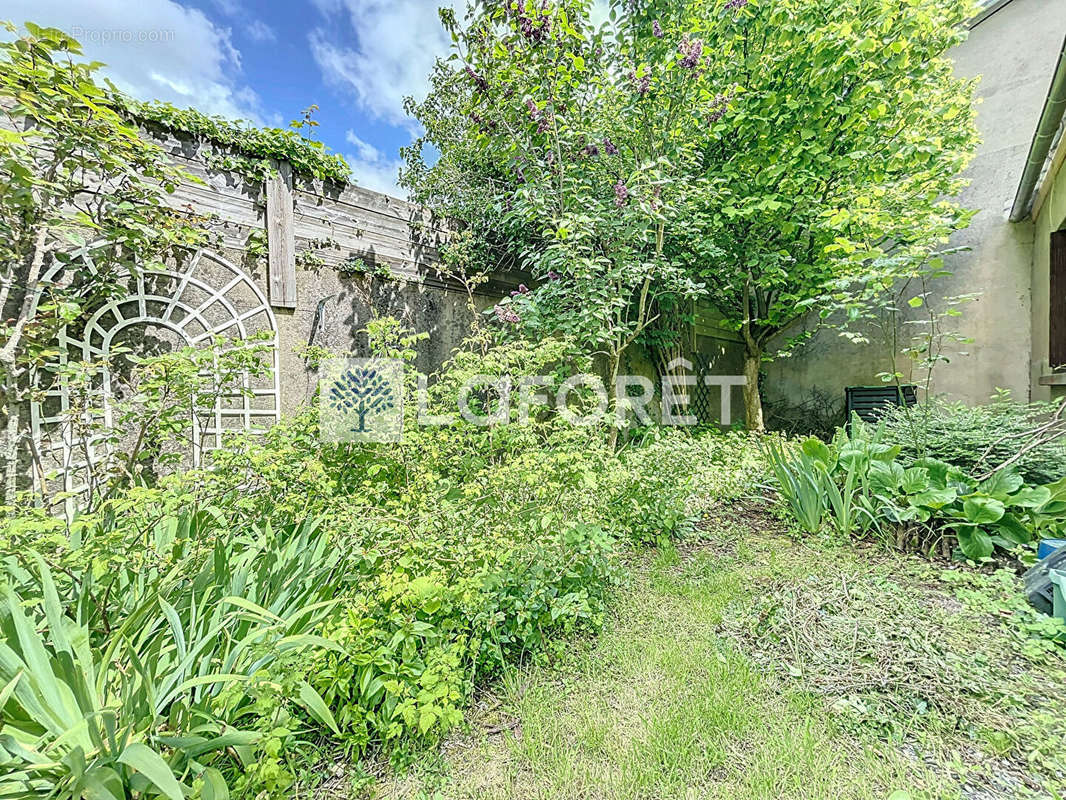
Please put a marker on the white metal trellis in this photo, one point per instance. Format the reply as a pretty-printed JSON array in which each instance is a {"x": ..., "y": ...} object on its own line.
[{"x": 204, "y": 297}]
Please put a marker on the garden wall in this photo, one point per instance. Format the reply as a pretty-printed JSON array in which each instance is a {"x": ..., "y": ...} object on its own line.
[{"x": 333, "y": 227}]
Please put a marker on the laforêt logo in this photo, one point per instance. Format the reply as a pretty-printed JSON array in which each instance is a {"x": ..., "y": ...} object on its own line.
[{"x": 361, "y": 399}]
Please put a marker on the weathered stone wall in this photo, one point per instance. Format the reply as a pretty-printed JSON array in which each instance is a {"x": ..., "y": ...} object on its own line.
[{"x": 331, "y": 226}]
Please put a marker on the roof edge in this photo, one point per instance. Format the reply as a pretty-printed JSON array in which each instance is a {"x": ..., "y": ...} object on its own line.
[
  {"x": 989, "y": 7},
  {"x": 1048, "y": 130}
]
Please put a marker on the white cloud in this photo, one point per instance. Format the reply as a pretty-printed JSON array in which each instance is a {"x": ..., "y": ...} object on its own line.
[
  {"x": 259, "y": 31},
  {"x": 372, "y": 169},
  {"x": 386, "y": 53},
  {"x": 367, "y": 151},
  {"x": 154, "y": 49},
  {"x": 378, "y": 176},
  {"x": 230, "y": 8}
]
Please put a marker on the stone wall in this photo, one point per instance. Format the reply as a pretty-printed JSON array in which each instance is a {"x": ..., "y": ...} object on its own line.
[{"x": 333, "y": 225}]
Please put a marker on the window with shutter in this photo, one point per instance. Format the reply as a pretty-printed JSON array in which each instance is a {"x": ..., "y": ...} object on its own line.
[{"x": 1057, "y": 349}]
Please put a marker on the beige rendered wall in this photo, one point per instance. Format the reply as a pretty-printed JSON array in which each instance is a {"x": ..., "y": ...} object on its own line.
[
  {"x": 1050, "y": 214},
  {"x": 1014, "y": 52}
]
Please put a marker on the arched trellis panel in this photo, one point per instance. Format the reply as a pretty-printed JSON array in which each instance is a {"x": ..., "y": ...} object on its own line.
[{"x": 196, "y": 299}]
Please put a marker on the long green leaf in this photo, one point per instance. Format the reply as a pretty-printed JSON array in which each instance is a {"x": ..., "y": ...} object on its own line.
[
  {"x": 316, "y": 707},
  {"x": 152, "y": 766}
]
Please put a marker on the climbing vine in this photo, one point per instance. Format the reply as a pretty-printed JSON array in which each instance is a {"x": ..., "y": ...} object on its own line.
[{"x": 250, "y": 150}]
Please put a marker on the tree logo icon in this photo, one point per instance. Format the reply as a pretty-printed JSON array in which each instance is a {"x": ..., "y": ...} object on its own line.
[
  {"x": 361, "y": 391},
  {"x": 361, "y": 400}
]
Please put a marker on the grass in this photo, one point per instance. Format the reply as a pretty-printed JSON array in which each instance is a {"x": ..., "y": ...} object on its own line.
[{"x": 752, "y": 665}]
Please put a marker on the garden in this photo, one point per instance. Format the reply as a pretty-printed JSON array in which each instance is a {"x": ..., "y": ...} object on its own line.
[{"x": 514, "y": 605}]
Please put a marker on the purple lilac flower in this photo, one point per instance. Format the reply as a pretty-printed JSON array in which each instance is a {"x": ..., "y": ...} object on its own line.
[
  {"x": 591, "y": 150},
  {"x": 534, "y": 112},
  {"x": 642, "y": 85},
  {"x": 535, "y": 33},
  {"x": 506, "y": 315},
  {"x": 553, "y": 275},
  {"x": 718, "y": 107},
  {"x": 545, "y": 123},
  {"x": 621, "y": 194},
  {"x": 484, "y": 125},
  {"x": 733, "y": 5},
  {"x": 657, "y": 29},
  {"x": 479, "y": 80},
  {"x": 609, "y": 148},
  {"x": 690, "y": 50}
]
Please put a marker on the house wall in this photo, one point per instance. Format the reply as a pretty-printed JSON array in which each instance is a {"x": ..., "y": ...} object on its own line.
[
  {"x": 1014, "y": 52},
  {"x": 1050, "y": 216}
]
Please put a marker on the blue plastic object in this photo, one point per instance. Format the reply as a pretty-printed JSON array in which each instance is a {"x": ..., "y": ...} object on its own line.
[{"x": 1048, "y": 546}]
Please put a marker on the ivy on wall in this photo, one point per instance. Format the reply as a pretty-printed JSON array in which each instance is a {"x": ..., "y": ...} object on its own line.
[{"x": 251, "y": 149}]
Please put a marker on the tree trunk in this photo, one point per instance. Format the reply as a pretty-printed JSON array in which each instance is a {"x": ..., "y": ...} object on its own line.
[
  {"x": 752, "y": 400},
  {"x": 612, "y": 402},
  {"x": 11, "y": 442}
]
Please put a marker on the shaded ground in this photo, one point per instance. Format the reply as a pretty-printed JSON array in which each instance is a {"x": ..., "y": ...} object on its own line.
[{"x": 751, "y": 665}]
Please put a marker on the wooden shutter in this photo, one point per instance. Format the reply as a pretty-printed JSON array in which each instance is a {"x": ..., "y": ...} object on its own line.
[{"x": 1057, "y": 349}]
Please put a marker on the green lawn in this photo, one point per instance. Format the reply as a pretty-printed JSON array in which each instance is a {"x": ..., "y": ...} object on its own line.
[{"x": 750, "y": 665}]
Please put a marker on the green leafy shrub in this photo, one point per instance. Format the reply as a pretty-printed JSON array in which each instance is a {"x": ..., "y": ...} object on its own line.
[
  {"x": 251, "y": 149},
  {"x": 858, "y": 483},
  {"x": 800, "y": 485},
  {"x": 94, "y": 710},
  {"x": 977, "y": 438},
  {"x": 651, "y": 501},
  {"x": 431, "y": 564},
  {"x": 75, "y": 723}
]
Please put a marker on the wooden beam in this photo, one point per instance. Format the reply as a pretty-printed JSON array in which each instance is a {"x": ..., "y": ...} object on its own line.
[
  {"x": 710, "y": 322},
  {"x": 281, "y": 238}
]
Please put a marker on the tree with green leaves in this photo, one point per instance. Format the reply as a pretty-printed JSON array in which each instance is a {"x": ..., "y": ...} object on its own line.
[
  {"x": 73, "y": 171},
  {"x": 834, "y": 161},
  {"x": 555, "y": 150},
  {"x": 789, "y": 157}
]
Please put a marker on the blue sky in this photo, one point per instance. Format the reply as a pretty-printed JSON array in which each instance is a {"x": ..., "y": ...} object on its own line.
[{"x": 266, "y": 60}]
